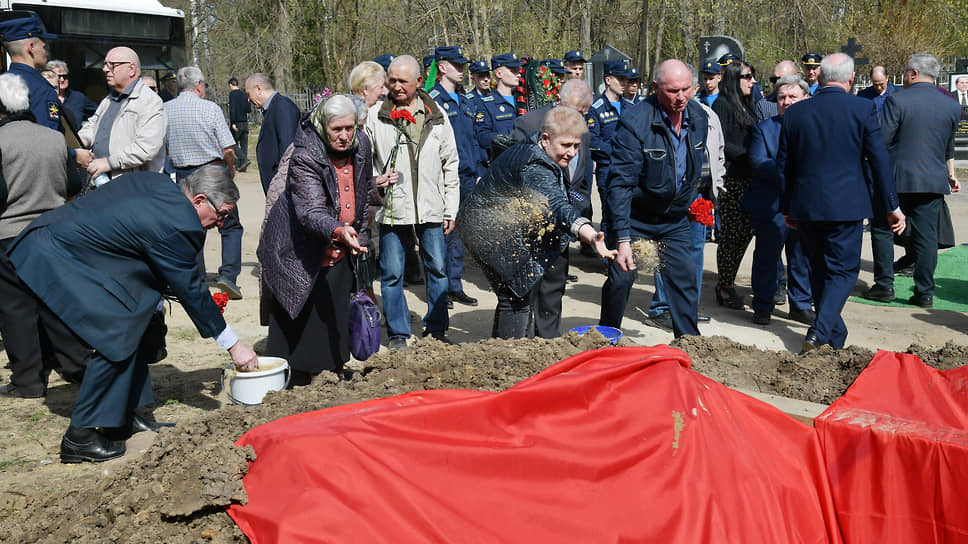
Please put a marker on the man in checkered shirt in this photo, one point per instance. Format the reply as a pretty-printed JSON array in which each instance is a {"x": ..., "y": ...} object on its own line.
[{"x": 199, "y": 136}]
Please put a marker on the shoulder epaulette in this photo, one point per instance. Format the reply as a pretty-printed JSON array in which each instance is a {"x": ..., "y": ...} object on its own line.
[
  {"x": 488, "y": 98},
  {"x": 434, "y": 93},
  {"x": 598, "y": 103}
]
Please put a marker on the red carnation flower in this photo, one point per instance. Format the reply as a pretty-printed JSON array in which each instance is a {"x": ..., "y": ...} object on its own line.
[
  {"x": 701, "y": 211},
  {"x": 221, "y": 300},
  {"x": 406, "y": 116}
]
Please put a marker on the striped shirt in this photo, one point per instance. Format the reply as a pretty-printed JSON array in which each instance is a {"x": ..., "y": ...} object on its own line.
[{"x": 197, "y": 131}]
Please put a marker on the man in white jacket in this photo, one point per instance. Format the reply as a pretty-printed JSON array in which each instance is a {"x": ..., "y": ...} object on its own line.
[
  {"x": 127, "y": 132},
  {"x": 415, "y": 161}
]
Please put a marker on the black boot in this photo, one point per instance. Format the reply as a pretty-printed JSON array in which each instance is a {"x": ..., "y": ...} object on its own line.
[{"x": 80, "y": 445}]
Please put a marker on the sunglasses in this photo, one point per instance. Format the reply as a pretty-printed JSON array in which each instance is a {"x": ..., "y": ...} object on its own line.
[
  {"x": 774, "y": 79},
  {"x": 747, "y": 77},
  {"x": 63, "y": 76}
]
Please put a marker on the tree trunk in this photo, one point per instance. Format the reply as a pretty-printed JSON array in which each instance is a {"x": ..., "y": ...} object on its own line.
[
  {"x": 645, "y": 67},
  {"x": 660, "y": 32}
]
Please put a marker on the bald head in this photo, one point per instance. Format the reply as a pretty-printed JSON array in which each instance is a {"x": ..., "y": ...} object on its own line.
[
  {"x": 673, "y": 84},
  {"x": 121, "y": 67},
  {"x": 879, "y": 79},
  {"x": 785, "y": 68}
]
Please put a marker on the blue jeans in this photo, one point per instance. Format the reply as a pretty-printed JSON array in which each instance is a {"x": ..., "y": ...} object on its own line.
[
  {"x": 433, "y": 250},
  {"x": 660, "y": 304}
]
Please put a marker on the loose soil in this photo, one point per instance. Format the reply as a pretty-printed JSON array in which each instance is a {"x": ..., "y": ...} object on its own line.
[{"x": 174, "y": 486}]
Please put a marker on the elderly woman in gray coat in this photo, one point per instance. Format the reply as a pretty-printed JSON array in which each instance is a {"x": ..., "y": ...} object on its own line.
[{"x": 312, "y": 233}]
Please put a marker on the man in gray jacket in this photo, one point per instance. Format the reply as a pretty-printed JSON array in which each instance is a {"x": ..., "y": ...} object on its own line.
[
  {"x": 919, "y": 126},
  {"x": 415, "y": 165},
  {"x": 127, "y": 132}
]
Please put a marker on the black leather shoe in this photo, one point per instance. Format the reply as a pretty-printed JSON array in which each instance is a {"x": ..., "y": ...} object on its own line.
[
  {"x": 138, "y": 424},
  {"x": 807, "y": 316},
  {"x": 12, "y": 391},
  {"x": 462, "y": 297},
  {"x": 761, "y": 319},
  {"x": 662, "y": 321},
  {"x": 95, "y": 448},
  {"x": 907, "y": 271},
  {"x": 879, "y": 293},
  {"x": 703, "y": 318},
  {"x": 810, "y": 343},
  {"x": 924, "y": 301}
]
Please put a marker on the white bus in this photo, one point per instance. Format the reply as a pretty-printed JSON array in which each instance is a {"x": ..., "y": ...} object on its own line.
[{"x": 87, "y": 29}]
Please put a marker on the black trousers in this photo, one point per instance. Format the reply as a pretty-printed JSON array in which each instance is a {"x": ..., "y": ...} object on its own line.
[
  {"x": 921, "y": 210},
  {"x": 241, "y": 142},
  {"x": 550, "y": 290},
  {"x": 35, "y": 340}
]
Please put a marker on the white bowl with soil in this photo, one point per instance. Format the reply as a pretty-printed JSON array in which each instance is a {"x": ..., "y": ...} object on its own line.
[{"x": 249, "y": 388}]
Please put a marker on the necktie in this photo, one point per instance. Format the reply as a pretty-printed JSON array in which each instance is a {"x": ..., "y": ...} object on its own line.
[{"x": 963, "y": 101}]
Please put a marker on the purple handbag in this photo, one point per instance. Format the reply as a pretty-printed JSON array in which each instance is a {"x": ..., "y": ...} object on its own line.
[{"x": 364, "y": 318}]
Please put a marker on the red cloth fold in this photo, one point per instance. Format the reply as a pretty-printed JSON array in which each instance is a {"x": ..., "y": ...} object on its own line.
[{"x": 611, "y": 445}]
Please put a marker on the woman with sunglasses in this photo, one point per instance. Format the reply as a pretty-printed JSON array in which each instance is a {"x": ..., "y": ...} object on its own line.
[{"x": 735, "y": 109}]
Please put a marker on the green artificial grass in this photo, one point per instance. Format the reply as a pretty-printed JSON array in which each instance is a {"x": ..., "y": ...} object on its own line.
[{"x": 950, "y": 279}]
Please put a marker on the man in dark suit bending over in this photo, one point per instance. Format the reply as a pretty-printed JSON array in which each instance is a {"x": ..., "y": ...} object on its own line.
[
  {"x": 823, "y": 144},
  {"x": 100, "y": 264}
]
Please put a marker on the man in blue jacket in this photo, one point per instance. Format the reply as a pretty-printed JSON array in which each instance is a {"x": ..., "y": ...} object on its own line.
[
  {"x": 100, "y": 264},
  {"x": 280, "y": 118},
  {"x": 460, "y": 109},
  {"x": 656, "y": 160},
  {"x": 762, "y": 201},
  {"x": 823, "y": 144}
]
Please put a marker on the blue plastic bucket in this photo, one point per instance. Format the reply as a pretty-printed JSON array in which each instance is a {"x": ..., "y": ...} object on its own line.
[{"x": 610, "y": 333}]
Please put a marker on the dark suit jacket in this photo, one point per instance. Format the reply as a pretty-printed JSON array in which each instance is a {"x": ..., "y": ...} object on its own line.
[
  {"x": 531, "y": 122},
  {"x": 919, "y": 126},
  {"x": 279, "y": 125},
  {"x": 820, "y": 161},
  {"x": 102, "y": 261},
  {"x": 762, "y": 198}
]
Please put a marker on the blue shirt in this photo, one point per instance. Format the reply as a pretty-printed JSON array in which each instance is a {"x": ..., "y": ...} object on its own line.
[
  {"x": 710, "y": 98},
  {"x": 678, "y": 144},
  {"x": 197, "y": 131}
]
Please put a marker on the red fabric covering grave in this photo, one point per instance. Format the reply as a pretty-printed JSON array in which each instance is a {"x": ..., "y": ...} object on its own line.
[
  {"x": 611, "y": 445},
  {"x": 896, "y": 447}
]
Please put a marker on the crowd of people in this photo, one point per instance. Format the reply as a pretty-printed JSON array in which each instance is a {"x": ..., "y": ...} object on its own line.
[{"x": 409, "y": 173}]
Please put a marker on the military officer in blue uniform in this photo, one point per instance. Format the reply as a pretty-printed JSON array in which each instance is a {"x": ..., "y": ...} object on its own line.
[
  {"x": 575, "y": 64},
  {"x": 460, "y": 110},
  {"x": 811, "y": 70},
  {"x": 556, "y": 66},
  {"x": 632, "y": 87},
  {"x": 427, "y": 61},
  {"x": 497, "y": 111},
  {"x": 481, "y": 78},
  {"x": 25, "y": 38},
  {"x": 384, "y": 60},
  {"x": 603, "y": 117}
]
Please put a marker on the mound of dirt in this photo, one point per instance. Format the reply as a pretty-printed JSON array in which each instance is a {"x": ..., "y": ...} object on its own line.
[{"x": 178, "y": 491}]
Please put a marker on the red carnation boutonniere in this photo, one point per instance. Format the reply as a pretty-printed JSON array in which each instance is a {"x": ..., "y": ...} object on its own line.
[
  {"x": 221, "y": 300},
  {"x": 701, "y": 211}
]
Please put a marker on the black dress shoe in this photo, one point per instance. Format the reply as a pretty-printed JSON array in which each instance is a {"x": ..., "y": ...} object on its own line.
[
  {"x": 879, "y": 293},
  {"x": 80, "y": 445},
  {"x": 810, "y": 343},
  {"x": 907, "y": 271},
  {"x": 762, "y": 318},
  {"x": 924, "y": 301},
  {"x": 662, "y": 321},
  {"x": 462, "y": 297},
  {"x": 703, "y": 318},
  {"x": 139, "y": 424},
  {"x": 806, "y": 316},
  {"x": 12, "y": 391}
]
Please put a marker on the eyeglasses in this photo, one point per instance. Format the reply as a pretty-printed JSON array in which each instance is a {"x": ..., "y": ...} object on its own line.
[
  {"x": 63, "y": 76},
  {"x": 747, "y": 77},
  {"x": 220, "y": 215},
  {"x": 112, "y": 66},
  {"x": 774, "y": 79}
]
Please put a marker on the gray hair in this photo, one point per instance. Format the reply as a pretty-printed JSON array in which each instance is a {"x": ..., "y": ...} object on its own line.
[
  {"x": 836, "y": 67},
  {"x": 214, "y": 182},
  {"x": 14, "y": 94},
  {"x": 793, "y": 79},
  {"x": 575, "y": 93},
  {"x": 926, "y": 65},
  {"x": 408, "y": 61},
  {"x": 189, "y": 77},
  {"x": 337, "y": 106},
  {"x": 261, "y": 80},
  {"x": 57, "y": 65}
]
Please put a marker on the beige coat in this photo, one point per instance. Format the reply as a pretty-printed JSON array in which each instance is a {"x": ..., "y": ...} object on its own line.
[
  {"x": 137, "y": 135},
  {"x": 437, "y": 186}
]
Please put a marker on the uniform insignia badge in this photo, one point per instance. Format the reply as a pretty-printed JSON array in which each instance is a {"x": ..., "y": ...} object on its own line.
[
  {"x": 446, "y": 106},
  {"x": 53, "y": 111},
  {"x": 500, "y": 109}
]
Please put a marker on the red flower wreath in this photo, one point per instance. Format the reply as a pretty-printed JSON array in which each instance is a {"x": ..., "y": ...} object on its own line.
[
  {"x": 701, "y": 211},
  {"x": 221, "y": 300}
]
